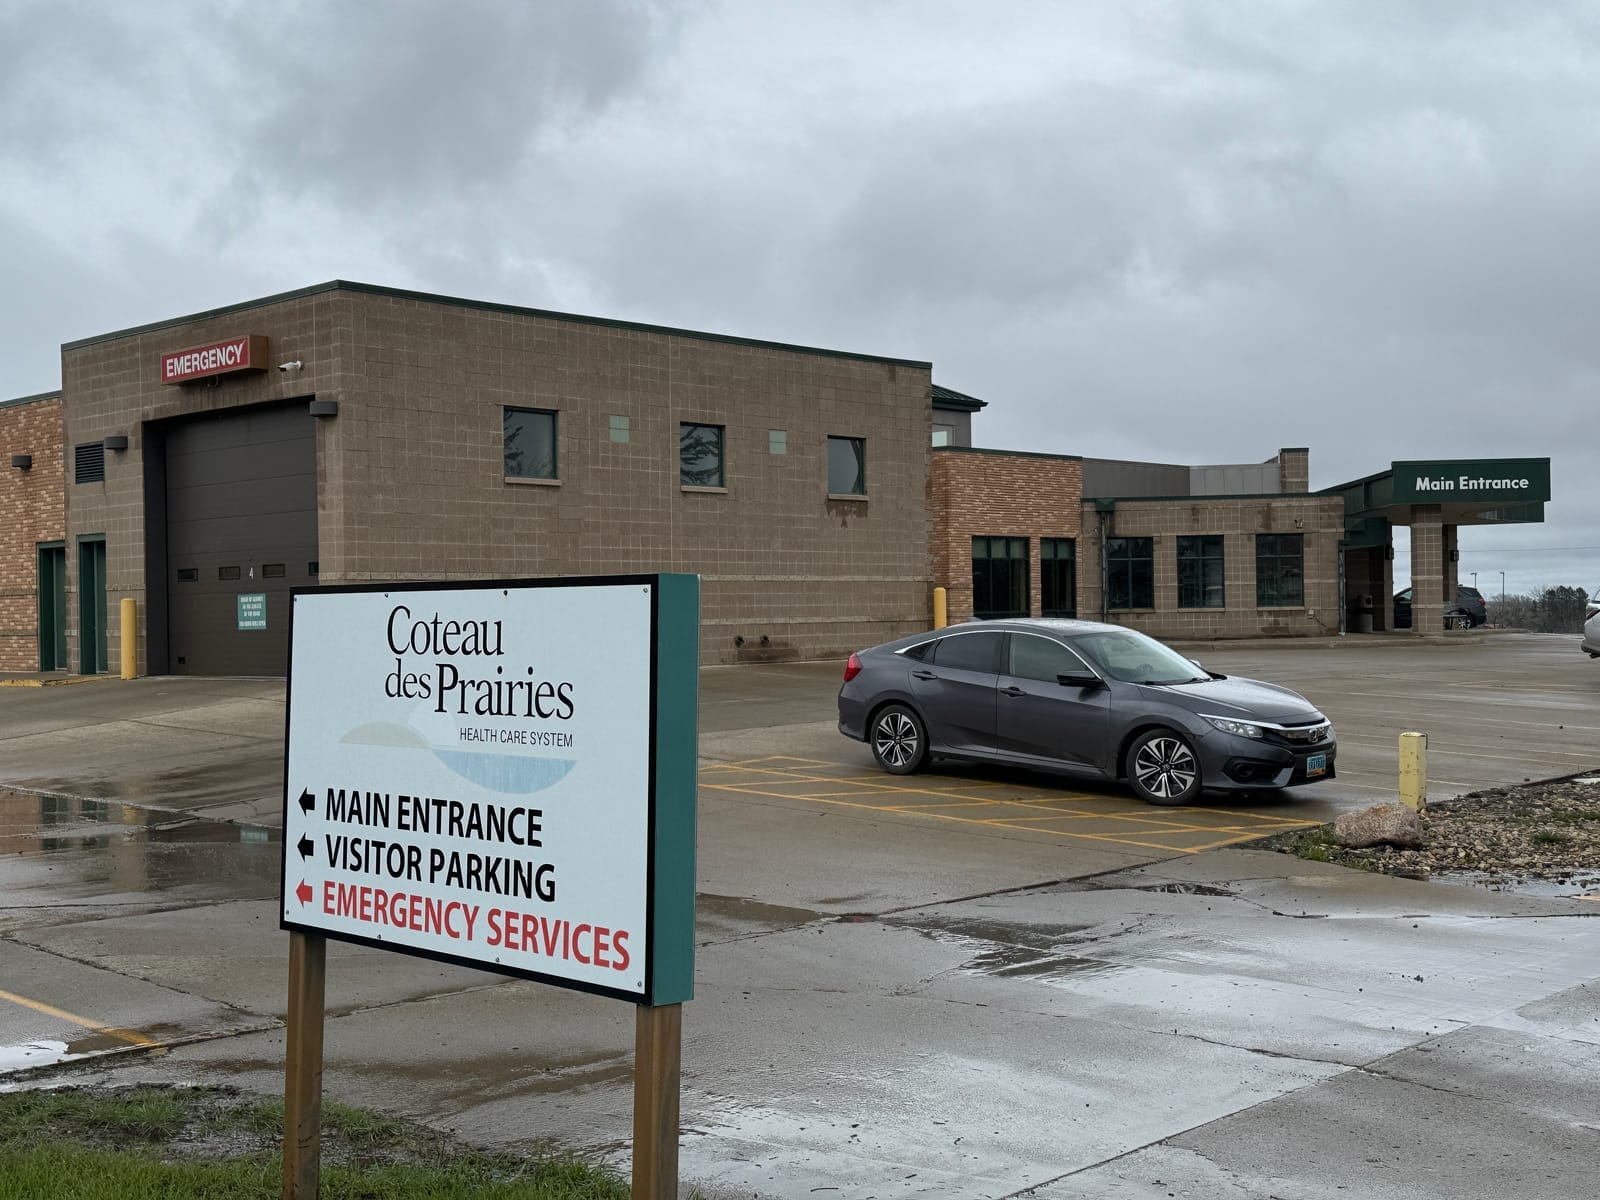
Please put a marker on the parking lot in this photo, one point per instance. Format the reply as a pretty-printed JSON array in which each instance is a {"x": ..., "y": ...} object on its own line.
[{"x": 967, "y": 982}]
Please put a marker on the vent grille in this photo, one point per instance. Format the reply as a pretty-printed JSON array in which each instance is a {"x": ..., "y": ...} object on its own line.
[{"x": 89, "y": 463}]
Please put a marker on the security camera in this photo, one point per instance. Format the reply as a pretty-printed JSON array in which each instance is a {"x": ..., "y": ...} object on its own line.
[{"x": 293, "y": 365}]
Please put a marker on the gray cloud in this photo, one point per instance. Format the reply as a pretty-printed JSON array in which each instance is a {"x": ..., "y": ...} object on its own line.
[{"x": 1150, "y": 230}]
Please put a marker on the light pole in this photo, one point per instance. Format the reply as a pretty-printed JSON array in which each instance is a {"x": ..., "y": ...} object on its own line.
[
  {"x": 1502, "y": 587},
  {"x": 1474, "y": 581}
]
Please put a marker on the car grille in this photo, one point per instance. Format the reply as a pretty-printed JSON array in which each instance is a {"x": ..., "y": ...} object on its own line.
[{"x": 1301, "y": 735}]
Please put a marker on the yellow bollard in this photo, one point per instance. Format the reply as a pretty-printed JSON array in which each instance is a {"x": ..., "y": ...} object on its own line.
[
  {"x": 1414, "y": 770},
  {"x": 130, "y": 639},
  {"x": 941, "y": 613}
]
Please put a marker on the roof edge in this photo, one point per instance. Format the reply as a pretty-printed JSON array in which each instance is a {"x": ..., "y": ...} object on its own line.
[
  {"x": 1007, "y": 453},
  {"x": 371, "y": 289},
  {"x": 19, "y": 401}
]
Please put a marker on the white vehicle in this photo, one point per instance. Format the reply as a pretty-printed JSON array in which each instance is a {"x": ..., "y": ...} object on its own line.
[{"x": 1591, "y": 626}]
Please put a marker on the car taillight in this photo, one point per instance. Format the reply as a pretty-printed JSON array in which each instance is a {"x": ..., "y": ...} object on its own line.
[{"x": 852, "y": 668}]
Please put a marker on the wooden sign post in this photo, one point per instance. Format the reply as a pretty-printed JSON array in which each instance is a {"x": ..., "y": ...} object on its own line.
[{"x": 502, "y": 775}]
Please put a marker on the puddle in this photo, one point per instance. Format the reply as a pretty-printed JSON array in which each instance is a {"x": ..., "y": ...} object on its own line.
[
  {"x": 63, "y": 823},
  {"x": 1012, "y": 961},
  {"x": 1039, "y": 938},
  {"x": 1190, "y": 889},
  {"x": 1576, "y": 887},
  {"x": 32, "y": 1054}
]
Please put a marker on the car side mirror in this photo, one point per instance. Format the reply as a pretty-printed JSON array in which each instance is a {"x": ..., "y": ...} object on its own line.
[{"x": 1079, "y": 680}]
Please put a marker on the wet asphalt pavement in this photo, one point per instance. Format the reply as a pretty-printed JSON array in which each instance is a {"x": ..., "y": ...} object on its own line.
[{"x": 889, "y": 1002}]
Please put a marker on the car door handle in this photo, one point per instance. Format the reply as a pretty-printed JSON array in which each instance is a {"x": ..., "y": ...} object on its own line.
[
  {"x": 923, "y": 675},
  {"x": 1012, "y": 691}
]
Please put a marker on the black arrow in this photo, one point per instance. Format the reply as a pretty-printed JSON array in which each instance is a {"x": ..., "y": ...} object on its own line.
[
  {"x": 307, "y": 801},
  {"x": 305, "y": 845}
]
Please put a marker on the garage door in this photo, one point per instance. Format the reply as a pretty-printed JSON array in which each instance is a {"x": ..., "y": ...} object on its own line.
[{"x": 241, "y": 531}]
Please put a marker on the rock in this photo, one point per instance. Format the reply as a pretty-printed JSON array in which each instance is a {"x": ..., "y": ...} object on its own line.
[{"x": 1380, "y": 825}]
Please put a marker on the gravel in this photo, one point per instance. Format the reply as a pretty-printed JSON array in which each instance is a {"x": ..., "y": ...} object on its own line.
[{"x": 1542, "y": 836}]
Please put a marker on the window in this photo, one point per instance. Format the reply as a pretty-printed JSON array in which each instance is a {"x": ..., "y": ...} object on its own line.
[
  {"x": 1130, "y": 573},
  {"x": 89, "y": 463},
  {"x": 1280, "y": 570},
  {"x": 1200, "y": 572},
  {"x": 272, "y": 570},
  {"x": 1035, "y": 657},
  {"x": 226, "y": 573},
  {"x": 777, "y": 441},
  {"x": 969, "y": 652},
  {"x": 847, "y": 466},
  {"x": 1058, "y": 577},
  {"x": 700, "y": 455},
  {"x": 943, "y": 435},
  {"x": 619, "y": 429},
  {"x": 999, "y": 577},
  {"x": 188, "y": 574},
  {"x": 530, "y": 443}
]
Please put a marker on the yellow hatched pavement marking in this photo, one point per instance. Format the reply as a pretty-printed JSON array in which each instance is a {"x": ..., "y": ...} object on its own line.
[
  {"x": 953, "y": 796},
  {"x": 122, "y": 1035}
]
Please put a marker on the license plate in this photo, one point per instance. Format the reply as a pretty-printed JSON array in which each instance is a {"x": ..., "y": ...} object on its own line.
[{"x": 1316, "y": 764}]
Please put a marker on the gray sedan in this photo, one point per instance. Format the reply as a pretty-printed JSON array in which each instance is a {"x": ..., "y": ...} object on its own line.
[{"x": 1084, "y": 698}]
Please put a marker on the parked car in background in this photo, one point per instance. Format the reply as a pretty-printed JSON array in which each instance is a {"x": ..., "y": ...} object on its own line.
[
  {"x": 1081, "y": 697},
  {"x": 1470, "y": 610},
  {"x": 1591, "y": 626}
]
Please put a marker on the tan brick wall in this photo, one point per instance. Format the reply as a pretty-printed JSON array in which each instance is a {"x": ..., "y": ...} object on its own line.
[
  {"x": 30, "y": 513},
  {"x": 1294, "y": 470},
  {"x": 410, "y": 473},
  {"x": 991, "y": 493},
  {"x": 1319, "y": 519}
]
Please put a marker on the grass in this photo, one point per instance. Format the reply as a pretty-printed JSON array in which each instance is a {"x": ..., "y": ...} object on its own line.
[
  {"x": 151, "y": 1143},
  {"x": 1552, "y": 837},
  {"x": 1313, "y": 845}
]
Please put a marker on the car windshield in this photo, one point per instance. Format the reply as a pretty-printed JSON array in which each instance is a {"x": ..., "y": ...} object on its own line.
[{"x": 1131, "y": 657}]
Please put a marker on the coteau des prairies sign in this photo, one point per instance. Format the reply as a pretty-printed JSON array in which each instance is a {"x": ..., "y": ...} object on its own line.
[{"x": 499, "y": 774}]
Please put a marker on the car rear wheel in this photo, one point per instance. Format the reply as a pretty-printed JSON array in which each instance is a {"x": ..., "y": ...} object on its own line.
[
  {"x": 899, "y": 741},
  {"x": 1162, "y": 767}
]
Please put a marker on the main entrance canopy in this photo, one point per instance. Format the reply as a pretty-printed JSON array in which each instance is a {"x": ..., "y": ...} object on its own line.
[{"x": 1435, "y": 498}]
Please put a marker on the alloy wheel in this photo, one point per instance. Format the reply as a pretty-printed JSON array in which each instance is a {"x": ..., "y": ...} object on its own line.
[
  {"x": 897, "y": 740},
  {"x": 1165, "y": 767}
]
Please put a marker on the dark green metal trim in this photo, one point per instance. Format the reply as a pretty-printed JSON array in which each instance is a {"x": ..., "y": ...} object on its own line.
[
  {"x": 35, "y": 398},
  {"x": 676, "y": 784},
  {"x": 953, "y": 401},
  {"x": 1006, "y": 453},
  {"x": 368, "y": 289}
]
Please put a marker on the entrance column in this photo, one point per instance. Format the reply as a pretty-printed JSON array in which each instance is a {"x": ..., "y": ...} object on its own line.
[
  {"x": 1451, "y": 565},
  {"x": 1427, "y": 570}
]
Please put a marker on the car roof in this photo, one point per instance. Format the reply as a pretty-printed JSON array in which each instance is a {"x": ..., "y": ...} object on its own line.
[{"x": 1039, "y": 625}]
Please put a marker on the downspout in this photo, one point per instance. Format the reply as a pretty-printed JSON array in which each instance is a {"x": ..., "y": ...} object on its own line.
[{"x": 1104, "y": 510}]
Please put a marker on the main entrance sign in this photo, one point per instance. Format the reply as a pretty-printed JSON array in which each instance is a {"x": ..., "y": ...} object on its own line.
[
  {"x": 1473, "y": 481},
  {"x": 500, "y": 775}
]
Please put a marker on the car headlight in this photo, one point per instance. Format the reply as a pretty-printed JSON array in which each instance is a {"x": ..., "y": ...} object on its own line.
[{"x": 1238, "y": 728}]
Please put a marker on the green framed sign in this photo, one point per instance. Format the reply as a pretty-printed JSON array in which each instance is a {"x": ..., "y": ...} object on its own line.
[
  {"x": 1472, "y": 481},
  {"x": 500, "y": 774},
  {"x": 252, "y": 610}
]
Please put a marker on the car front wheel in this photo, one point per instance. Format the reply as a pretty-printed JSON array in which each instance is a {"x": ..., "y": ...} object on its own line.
[
  {"x": 1162, "y": 767},
  {"x": 899, "y": 741}
]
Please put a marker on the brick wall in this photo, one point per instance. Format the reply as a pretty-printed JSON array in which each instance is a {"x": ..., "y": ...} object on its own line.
[
  {"x": 997, "y": 493},
  {"x": 30, "y": 513},
  {"x": 411, "y": 472},
  {"x": 1319, "y": 519}
]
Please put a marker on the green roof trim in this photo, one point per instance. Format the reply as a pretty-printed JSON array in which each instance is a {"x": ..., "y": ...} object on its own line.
[
  {"x": 1188, "y": 499},
  {"x": 33, "y": 399},
  {"x": 949, "y": 398},
  {"x": 1007, "y": 453},
  {"x": 368, "y": 289}
]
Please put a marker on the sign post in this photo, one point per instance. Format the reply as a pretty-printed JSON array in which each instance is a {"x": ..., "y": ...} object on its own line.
[{"x": 501, "y": 775}]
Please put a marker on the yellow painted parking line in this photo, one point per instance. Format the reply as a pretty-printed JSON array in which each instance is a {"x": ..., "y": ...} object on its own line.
[{"x": 122, "y": 1035}]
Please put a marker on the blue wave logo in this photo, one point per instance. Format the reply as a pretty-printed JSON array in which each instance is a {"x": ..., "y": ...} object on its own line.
[{"x": 509, "y": 774}]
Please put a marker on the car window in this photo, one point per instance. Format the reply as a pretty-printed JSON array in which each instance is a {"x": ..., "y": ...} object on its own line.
[
  {"x": 969, "y": 652},
  {"x": 921, "y": 652},
  {"x": 1131, "y": 657},
  {"x": 1035, "y": 657},
  {"x": 1404, "y": 597}
]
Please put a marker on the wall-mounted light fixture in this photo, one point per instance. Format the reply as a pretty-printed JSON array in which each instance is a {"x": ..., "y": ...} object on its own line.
[
  {"x": 324, "y": 408},
  {"x": 1455, "y": 556},
  {"x": 22, "y": 462},
  {"x": 116, "y": 441},
  {"x": 293, "y": 364}
]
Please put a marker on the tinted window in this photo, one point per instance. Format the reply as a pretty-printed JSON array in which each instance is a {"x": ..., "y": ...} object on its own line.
[
  {"x": 921, "y": 653},
  {"x": 530, "y": 443},
  {"x": 847, "y": 466},
  {"x": 1130, "y": 572},
  {"x": 969, "y": 652},
  {"x": 700, "y": 455},
  {"x": 1034, "y": 657}
]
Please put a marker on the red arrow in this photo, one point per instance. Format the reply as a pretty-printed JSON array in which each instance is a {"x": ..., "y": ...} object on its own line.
[{"x": 304, "y": 892}]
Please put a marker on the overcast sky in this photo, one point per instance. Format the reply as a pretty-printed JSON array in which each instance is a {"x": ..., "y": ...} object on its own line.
[{"x": 1184, "y": 232}]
